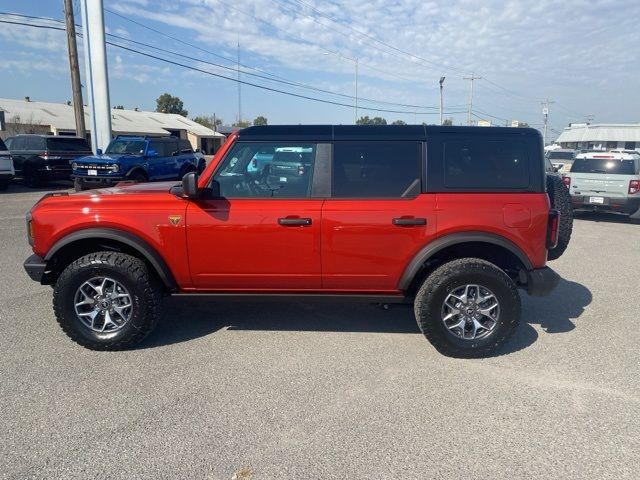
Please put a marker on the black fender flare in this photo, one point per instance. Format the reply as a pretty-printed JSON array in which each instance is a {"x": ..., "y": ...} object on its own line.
[
  {"x": 414, "y": 266},
  {"x": 146, "y": 250},
  {"x": 136, "y": 168}
]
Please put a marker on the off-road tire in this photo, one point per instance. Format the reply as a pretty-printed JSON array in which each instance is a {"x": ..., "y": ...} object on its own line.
[
  {"x": 138, "y": 177},
  {"x": 446, "y": 278},
  {"x": 560, "y": 199},
  {"x": 31, "y": 177},
  {"x": 78, "y": 186},
  {"x": 201, "y": 166},
  {"x": 144, "y": 289}
]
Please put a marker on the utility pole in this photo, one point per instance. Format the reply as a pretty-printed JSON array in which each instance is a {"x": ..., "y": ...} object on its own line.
[
  {"x": 76, "y": 87},
  {"x": 441, "y": 102},
  {"x": 97, "y": 79},
  {"x": 356, "y": 89},
  {"x": 545, "y": 113},
  {"x": 472, "y": 78},
  {"x": 239, "y": 85}
]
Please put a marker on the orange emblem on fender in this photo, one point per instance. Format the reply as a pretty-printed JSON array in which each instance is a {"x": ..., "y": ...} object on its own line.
[{"x": 175, "y": 219}]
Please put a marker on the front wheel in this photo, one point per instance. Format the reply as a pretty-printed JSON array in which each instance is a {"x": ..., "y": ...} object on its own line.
[
  {"x": 107, "y": 301},
  {"x": 467, "y": 308}
]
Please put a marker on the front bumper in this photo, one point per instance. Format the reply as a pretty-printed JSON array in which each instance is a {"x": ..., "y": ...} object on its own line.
[
  {"x": 541, "y": 281},
  {"x": 35, "y": 267},
  {"x": 97, "y": 181},
  {"x": 611, "y": 204}
]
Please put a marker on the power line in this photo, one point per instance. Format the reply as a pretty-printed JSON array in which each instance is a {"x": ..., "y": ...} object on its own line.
[
  {"x": 234, "y": 69},
  {"x": 244, "y": 82}
]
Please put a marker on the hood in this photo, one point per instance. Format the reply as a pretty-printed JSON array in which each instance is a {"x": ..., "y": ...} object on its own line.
[
  {"x": 126, "y": 188},
  {"x": 105, "y": 159}
]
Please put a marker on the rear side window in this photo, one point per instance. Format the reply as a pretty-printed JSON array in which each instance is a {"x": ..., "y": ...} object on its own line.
[
  {"x": 475, "y": 164},
  {"x": 604, "y": 165},
  {"x": 376, "y": 169},
  {"x": 62, "y": 144},
  {"x": 185, "y": 146},
  {"x": 33, "y": 143},
  {"x": 3, "y": 147},
  {"x": 163, "y": 148}
]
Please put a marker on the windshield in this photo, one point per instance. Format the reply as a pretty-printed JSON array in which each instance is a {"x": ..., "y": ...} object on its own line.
[
  {"x": 603, "y": 165},
  {"x": 560, "y": 155},
  {"x": 131, "y": 147}
]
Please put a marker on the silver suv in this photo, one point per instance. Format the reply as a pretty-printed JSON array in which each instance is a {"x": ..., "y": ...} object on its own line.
[
  {"x": 607, "y": 181},
  {"x": 6, "y": 166}
]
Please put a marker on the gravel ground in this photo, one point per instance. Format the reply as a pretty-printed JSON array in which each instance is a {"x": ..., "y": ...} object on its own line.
[{"x": 299, "y": 391}]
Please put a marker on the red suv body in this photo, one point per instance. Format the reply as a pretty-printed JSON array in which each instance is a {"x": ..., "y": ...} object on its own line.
[{"x": 370, "y": 213}]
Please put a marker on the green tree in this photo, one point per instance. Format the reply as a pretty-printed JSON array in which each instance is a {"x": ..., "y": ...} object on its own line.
[
  {"x": 260, "y": 120},
  {"x": 448, "y": 122},
  {"x": 398, "y": 122},
  {"x": 204, "y": 121},
  {"x": 119, "y": 107},
  {"x": 241, "y": 124},
  {"x": 167, "y": 103},
  {"x": 371, "y": 121}
]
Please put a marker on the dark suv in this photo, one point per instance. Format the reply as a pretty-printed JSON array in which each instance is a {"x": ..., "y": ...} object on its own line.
[
  {"x": 38, "y": 158},
  {"x": 451, "y": 220}
]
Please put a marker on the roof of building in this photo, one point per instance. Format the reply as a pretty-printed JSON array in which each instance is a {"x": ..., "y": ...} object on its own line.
[
  {"x": 61, "y": 116},
  {"x": 603, "y": 132}
]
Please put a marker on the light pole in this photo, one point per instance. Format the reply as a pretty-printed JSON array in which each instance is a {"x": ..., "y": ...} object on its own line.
[
  {"x": 441, "y": 82},
  {"x": 355, "y": 61}
]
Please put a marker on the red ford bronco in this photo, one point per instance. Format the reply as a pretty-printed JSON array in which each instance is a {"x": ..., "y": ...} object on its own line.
[{"x": 451, "y": 219}]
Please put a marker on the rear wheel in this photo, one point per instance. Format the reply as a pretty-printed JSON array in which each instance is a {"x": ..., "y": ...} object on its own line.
[
  {"x": 560, "y": 199},
  {"x": 467, "y": 308},
  {"x": 107, "y": 301},
  {"x": 31, "y": 177},
  {"x": 4, "y": 184}
]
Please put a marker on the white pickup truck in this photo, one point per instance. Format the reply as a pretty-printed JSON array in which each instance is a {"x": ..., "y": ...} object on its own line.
[
  {"x": 606, "y": 181},
  {"x": 6, "y": 166}
]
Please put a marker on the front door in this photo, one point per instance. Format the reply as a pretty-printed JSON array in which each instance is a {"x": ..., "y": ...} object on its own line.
[
  {"x": 377, "y": 218},
  {"x": 264, "y": 231}
]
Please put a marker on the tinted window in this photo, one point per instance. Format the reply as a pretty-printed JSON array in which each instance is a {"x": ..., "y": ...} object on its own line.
[
  {"x": 163, "y": 148},
  {"x": 185, "y": 146},
  {"x": 476, "y": 164},
  {"x": 604, "y": 165},
  {"x": 34, "y": 143},
  {"x": 67, "y": 144},
  {"x": 16, "y": 143},
  {"x": 376, "y": 169},
  {"x": 2, "y": 146},
  {"x": 267, "y": 170},
  {"x": 560, "y": 155}
]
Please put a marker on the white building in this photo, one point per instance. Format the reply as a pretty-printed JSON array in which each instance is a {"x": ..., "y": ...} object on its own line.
[
  {"x": 26, "y": 116},
  {"x": 602, "y": 136}
]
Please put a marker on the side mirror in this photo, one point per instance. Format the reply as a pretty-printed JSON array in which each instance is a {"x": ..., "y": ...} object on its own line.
[
  {"x": 152, "y": 153},
  {"x": 98, "y": 151},
  {"x": 190, "y": 185}
]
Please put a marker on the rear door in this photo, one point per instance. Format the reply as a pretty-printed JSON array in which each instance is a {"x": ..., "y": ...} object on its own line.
[
  {"x": 263, "y": 233},
  {"x": 377, "y": 218},
  {"x": 158, "y": 166}
]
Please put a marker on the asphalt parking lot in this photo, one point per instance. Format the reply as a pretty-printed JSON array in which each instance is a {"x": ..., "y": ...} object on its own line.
[{"x": 299, "y": 391}]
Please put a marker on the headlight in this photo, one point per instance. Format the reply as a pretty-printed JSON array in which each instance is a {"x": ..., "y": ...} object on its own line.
[
  {"x": 115, "y": 167},
  {"x": 74, "y": 165}
]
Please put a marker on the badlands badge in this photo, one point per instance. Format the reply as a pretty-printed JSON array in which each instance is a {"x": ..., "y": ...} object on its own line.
[{"x": 174, "y": 219}]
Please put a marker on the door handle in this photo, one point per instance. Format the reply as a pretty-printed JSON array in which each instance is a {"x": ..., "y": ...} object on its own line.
[
  {"x": 408, "y": 222},
  {"x": 294, "y": 222}
]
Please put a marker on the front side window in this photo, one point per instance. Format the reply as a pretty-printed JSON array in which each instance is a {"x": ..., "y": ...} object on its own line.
[
  {"x": 477, "y": 165},
  {"x": 267, "y": 170},
  {"x": 126, "y": 147},
  {"x": 376, "y": 169}
]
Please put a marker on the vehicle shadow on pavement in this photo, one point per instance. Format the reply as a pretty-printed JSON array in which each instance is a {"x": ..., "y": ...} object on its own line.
[
  {"x": 19, "y": 187},
  {"x": 187, "y": 318},
  {"x": 601, "y": 217}
]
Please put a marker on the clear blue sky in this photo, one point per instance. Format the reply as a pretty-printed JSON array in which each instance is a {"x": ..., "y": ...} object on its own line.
[{"x": 583, "y": 55}]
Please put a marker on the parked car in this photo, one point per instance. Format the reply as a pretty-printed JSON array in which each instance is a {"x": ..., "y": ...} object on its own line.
[
  {"x": 561, "y": 159},
  {"x": 39, "y": 158},
  {"x": 454, "y": 229},
  {"x": 606, "y": 181},
  {"x": 141, "y": 159},
  {"x": 6, "y": 166}
]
